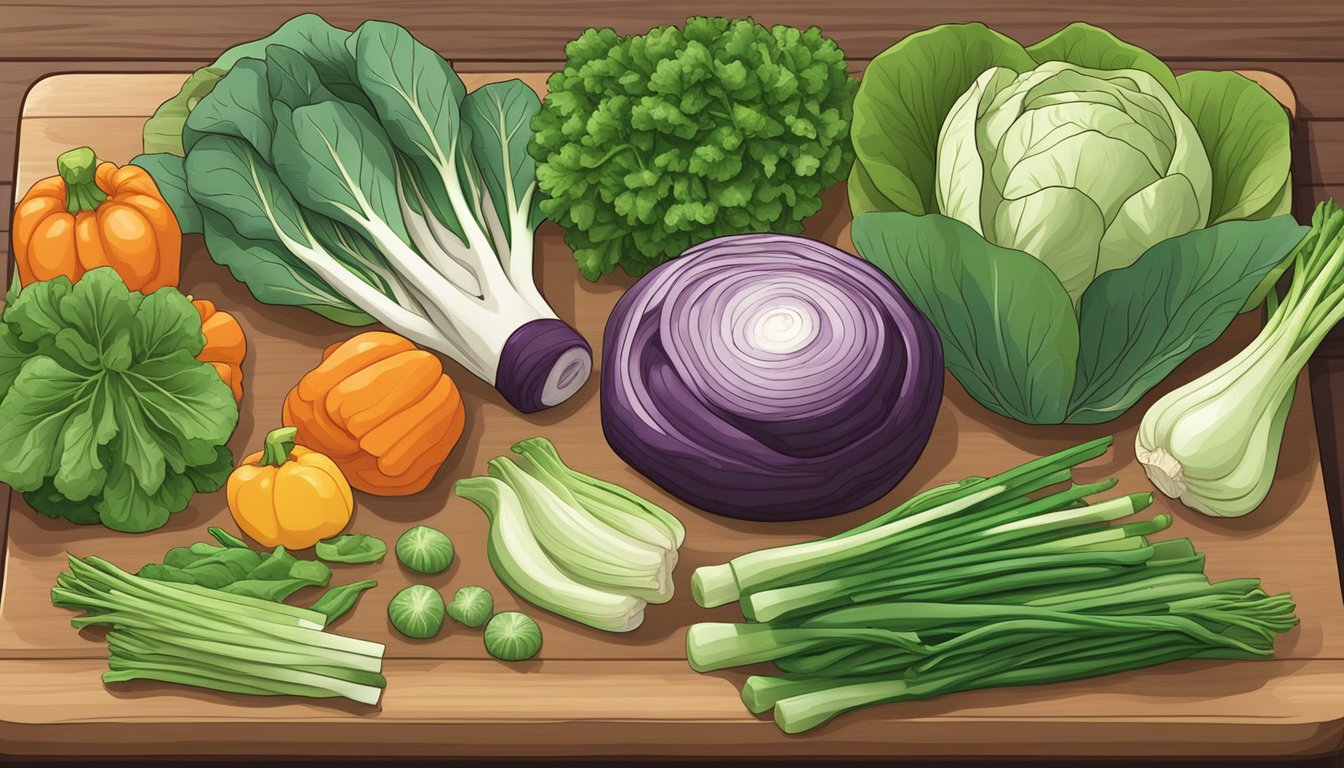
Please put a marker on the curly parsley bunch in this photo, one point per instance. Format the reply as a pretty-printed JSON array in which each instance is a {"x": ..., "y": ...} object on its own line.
[{"x": 650, "y": 144}]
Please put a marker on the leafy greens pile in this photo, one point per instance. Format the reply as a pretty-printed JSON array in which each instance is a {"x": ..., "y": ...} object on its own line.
[
  {"x": 106, "y": 415},
  {"x": 1073, "y": 218},
  {"x": 233, "y": 567},
  {"x": 650, "y": 144},
  {"x": 352, "y": 174}
]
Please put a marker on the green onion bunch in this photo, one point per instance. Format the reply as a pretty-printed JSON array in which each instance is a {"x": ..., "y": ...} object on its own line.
[
  {"x": 1010, "y": 580},
  {"x": 193, "y": 635}
]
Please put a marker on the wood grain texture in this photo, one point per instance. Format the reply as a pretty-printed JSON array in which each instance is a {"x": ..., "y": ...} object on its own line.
[
  {"x": 16, "y": 77},
  {"x": 1263, "y": 709},
  {"x": 538, "y": 29},
  {"x": 604, "y": 695}
]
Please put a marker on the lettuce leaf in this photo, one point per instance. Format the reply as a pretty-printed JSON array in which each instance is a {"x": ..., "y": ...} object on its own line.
[{"x": 105, "y": 413}]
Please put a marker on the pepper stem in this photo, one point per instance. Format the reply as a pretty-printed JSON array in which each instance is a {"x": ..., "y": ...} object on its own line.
[
  {"x": 279, "y": 442},
  {"x": 78, "y": 167}
]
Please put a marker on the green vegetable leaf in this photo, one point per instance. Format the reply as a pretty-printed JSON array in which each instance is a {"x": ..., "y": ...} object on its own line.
[
  {"x": 168, "y": 325},
  {"x": 246, "y": 210},
  {"x": 335, "y": 161},
  {"x": 321, "y": 44},
  {"x": 236, "y": 568},
  {"x": 239, "y": 105},
  {"x": 170, "y": 177},
  {"x": 273, "y": 276},
  {"x": 335, "y": 602},
  {"x": 13, "y": 354},
  {"x": 1245, "y": 132},
  {"x": 52, "y": 503},
  {"x": 163, "y": 130},
  {"x": 82, "y": 472},
  {"x": 1095, "y": 48},
  {"x": 35, "y": 316},
  {"x": 416, "y": 96},
  {"x": 110, "y": 418},
  {"x": 33, "y": 418},
  {"x": 1144, "y": 320},
  {"x": 126, "y": 506},
  {"x": 1008, "y": 329},
  {"x": 210, "y": 476},
  {"x": 275, "y": 590},
  {"x": 498, "y": 117},
  {"x": 900, "y": 107},
  {"x": 648, "y": 145},
  {"x": 227, "y": 539},
  {"x": 351, "y": 548},
  {"x": 292, "y": 79},
  {"x": 181, "y": 399}
]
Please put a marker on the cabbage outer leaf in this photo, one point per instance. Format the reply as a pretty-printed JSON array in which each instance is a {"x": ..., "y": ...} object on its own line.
[
  {"x": 1008, "y": 328},
  {"x": 904, "y": 96},
  {"x": 1141, "y": 322},
  {"x": 1095, "y": 48}
]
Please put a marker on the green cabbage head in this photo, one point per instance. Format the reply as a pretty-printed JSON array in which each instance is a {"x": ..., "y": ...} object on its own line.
[
  {"x": 1084, "y": 169},
  {"x": 1074, "y": 218}
]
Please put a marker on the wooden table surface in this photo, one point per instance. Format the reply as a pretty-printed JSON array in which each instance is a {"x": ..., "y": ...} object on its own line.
[{"x": 1303, "y": 42}]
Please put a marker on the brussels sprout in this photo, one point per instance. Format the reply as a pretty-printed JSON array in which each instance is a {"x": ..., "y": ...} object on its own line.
[
  {"x": 1084, "y": 169},
  {"x": 417, "y": 611},
  {"x": 471, "y": 606},
  {"x": 425, "y": 550},
  {"x": 512, "y": 636}
]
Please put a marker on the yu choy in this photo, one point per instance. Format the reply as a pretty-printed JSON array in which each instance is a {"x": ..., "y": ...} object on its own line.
[
  {"x": 1139, "y": 211},
  {"x": 352, "y": 174}
]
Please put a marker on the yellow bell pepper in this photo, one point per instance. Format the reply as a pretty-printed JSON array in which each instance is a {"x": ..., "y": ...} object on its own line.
[{"x": 286, "y": 495}]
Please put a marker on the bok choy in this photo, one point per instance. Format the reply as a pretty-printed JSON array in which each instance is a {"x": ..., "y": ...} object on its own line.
[{"x": 359, "y": 179}]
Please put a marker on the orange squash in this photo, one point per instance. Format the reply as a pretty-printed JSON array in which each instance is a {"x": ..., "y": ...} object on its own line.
[
  {"x": 97, "y": 215},
  {"x": 382, "y": 410},
  {"x": 225, "y": 344}
]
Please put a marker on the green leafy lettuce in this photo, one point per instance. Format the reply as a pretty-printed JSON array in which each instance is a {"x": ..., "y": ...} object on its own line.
[
  {"x": 1073, "y": 218},
  {"x": 649, "y": 144},
  {"x": 106, "y": 415}
]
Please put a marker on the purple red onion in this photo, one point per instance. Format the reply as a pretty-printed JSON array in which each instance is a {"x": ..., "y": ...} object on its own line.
[{"x": 770, "y": 377}]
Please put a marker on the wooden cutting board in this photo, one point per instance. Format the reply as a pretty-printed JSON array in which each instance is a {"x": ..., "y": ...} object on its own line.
[{"x": 591, "y": 693}]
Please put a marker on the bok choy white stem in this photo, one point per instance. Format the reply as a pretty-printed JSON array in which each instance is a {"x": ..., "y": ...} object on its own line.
[
  {"x": 1214, "y": 443},
  {"x": 363, "y": 182}
]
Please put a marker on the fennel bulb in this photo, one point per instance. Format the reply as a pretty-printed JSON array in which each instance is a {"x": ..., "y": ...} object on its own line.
[{"x": 1214, "y": 443}]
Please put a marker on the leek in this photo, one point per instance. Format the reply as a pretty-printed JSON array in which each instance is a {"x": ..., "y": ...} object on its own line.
[{"x": 1214, "y": 443}]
